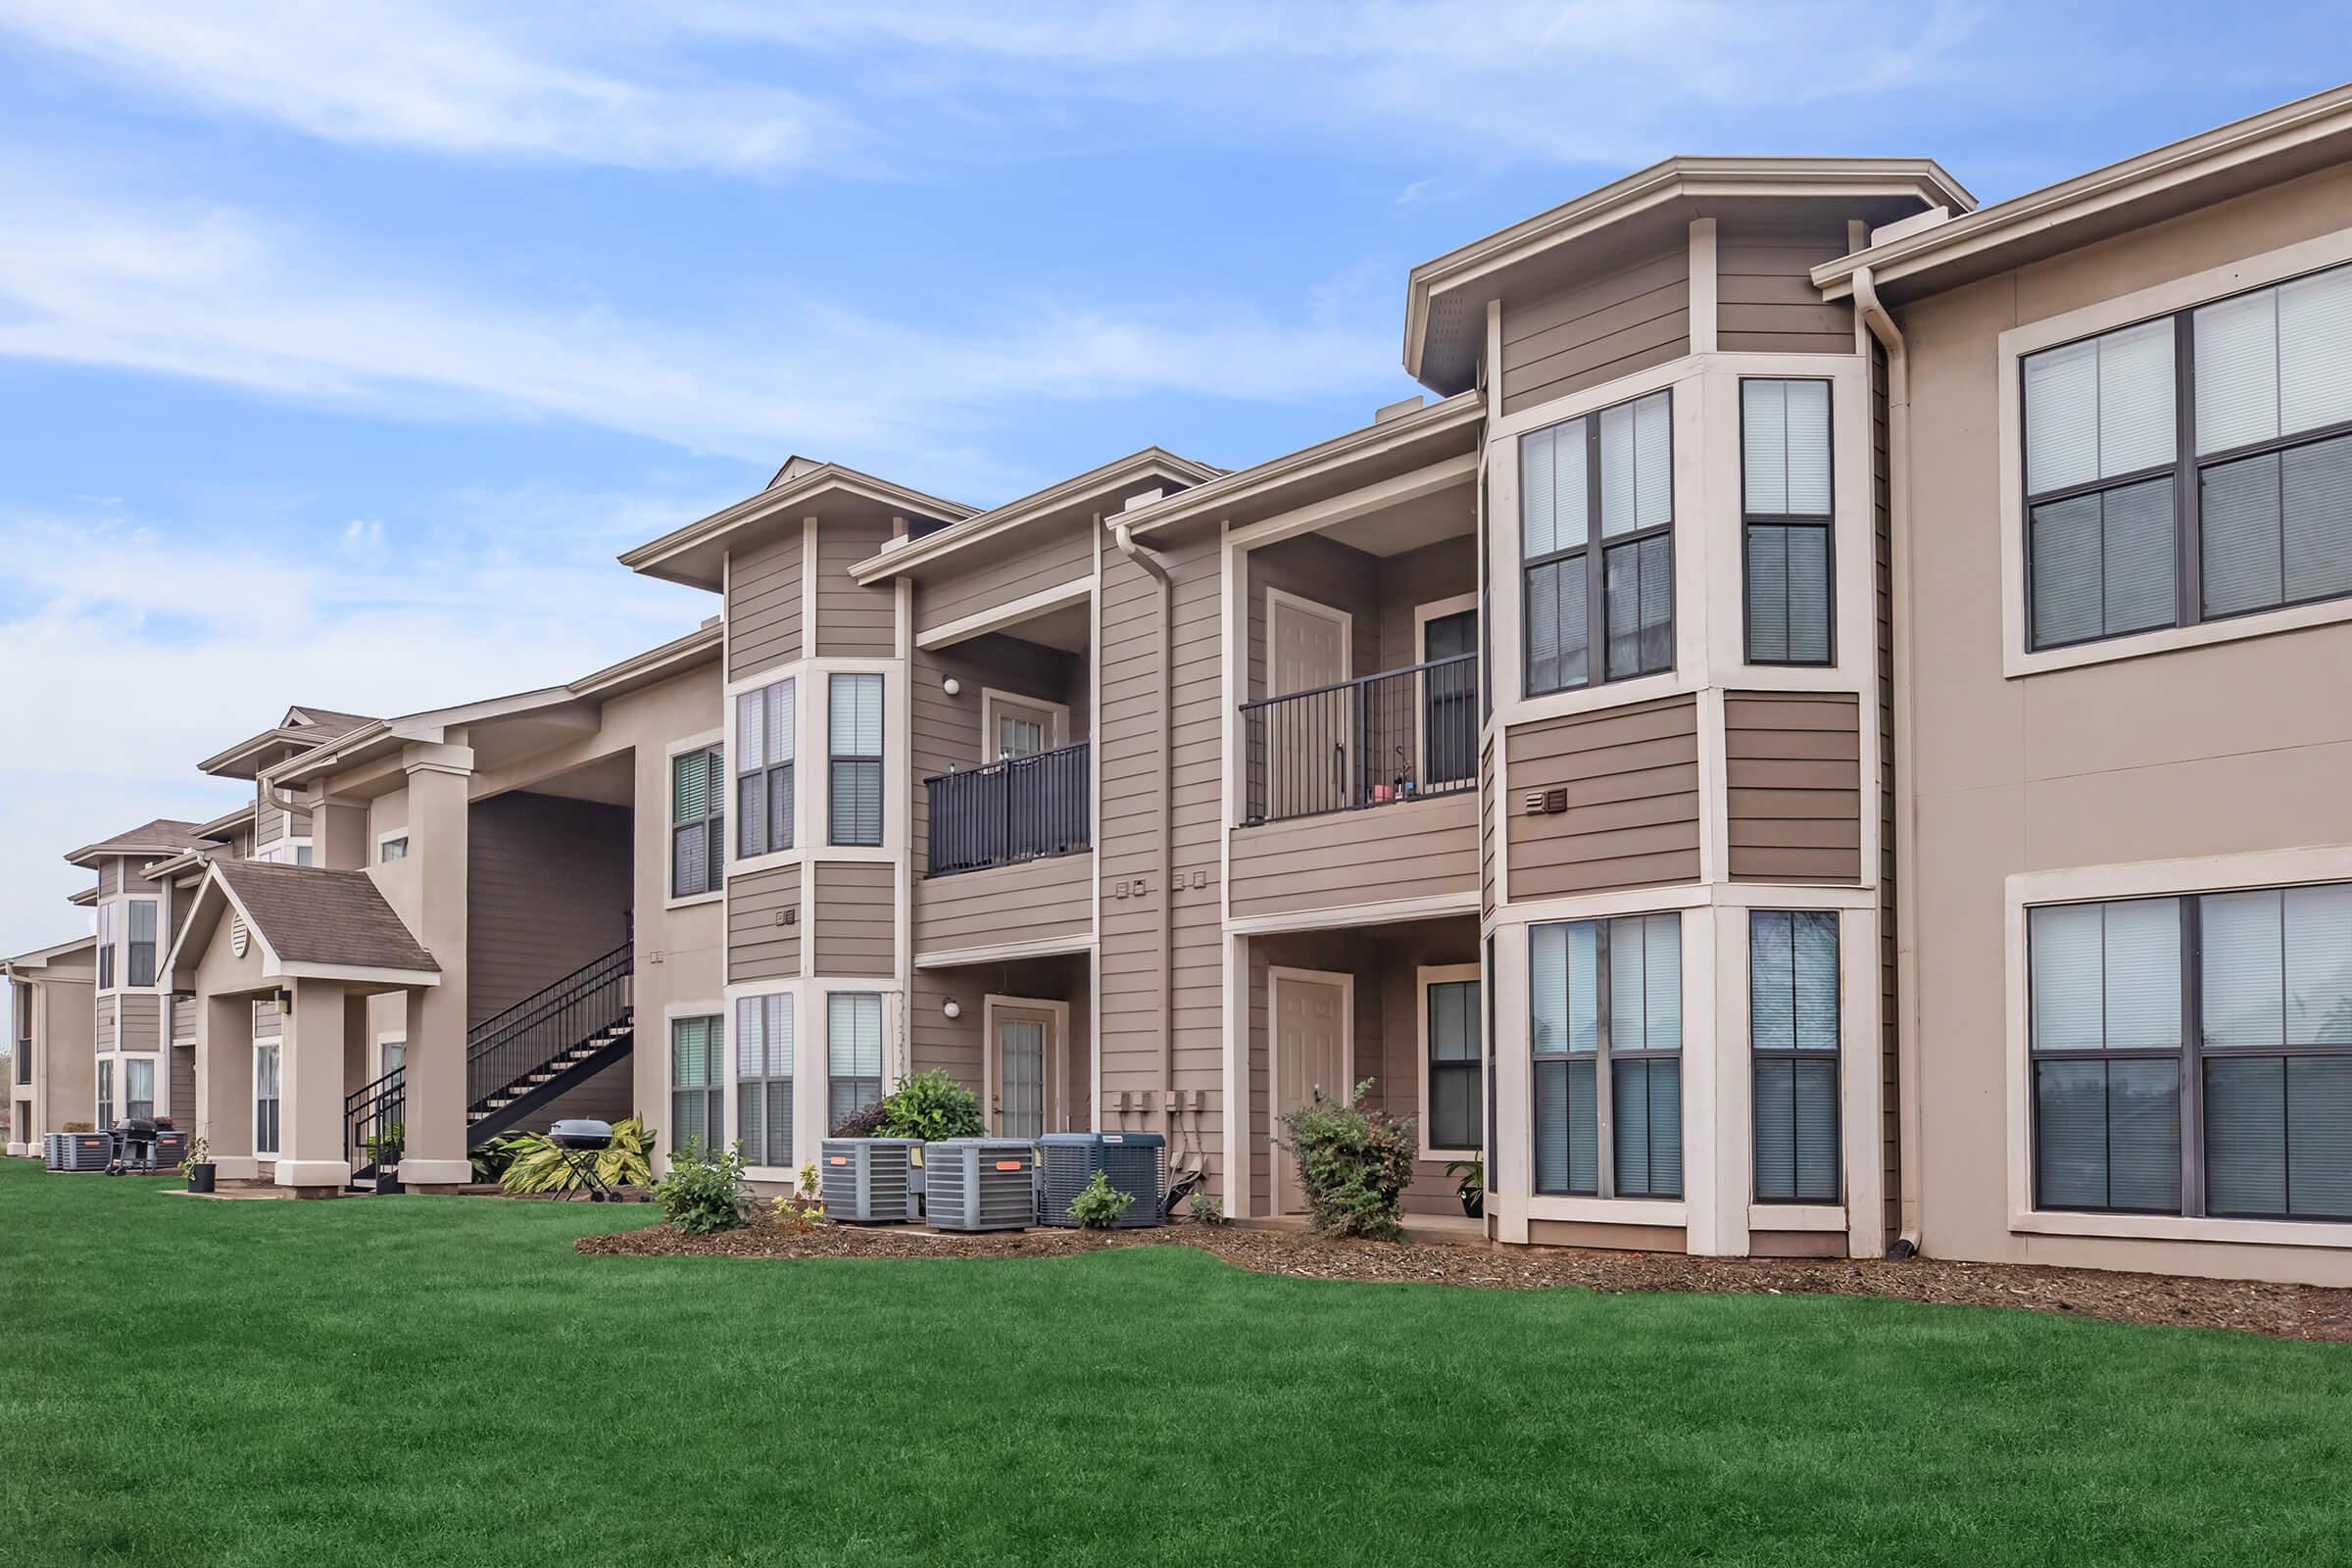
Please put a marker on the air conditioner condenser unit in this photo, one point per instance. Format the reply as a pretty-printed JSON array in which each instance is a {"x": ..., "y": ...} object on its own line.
[
  {"x": 869, "y": 1181},
  {"x": 980, "y": 1184}
]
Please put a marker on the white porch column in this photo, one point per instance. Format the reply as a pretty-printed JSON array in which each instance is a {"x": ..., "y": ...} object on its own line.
[
  {"x": 225, "y": 1084},
  {"x": 439, "y": 799},
  {"x": 311, "y": 1090}
]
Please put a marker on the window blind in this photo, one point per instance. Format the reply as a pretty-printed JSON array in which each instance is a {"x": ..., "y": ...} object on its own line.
[
  {"x": 1793, "y": 1033},
  {"x": 764, "y": 1079},
  {"x": 1632, "y": 1063},
  {"x": 1453, "y": 1064},
  {"x": 852, "y": 1053},
  {"x": 1602, "y": 481}
]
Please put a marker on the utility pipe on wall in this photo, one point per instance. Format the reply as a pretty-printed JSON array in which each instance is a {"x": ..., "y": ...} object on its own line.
[{"x": 1881, "y": 325}]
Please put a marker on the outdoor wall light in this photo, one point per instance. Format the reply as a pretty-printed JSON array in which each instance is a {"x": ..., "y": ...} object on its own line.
[
  {"x": 952, "y": 1009},
  {"x": 950, "y": 686}
]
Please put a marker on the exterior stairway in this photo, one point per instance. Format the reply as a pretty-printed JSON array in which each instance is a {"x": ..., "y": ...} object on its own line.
[{"x": 516, "y": 1062}]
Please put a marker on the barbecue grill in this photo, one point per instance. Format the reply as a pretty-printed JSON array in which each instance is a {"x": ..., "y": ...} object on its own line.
[
  {"x": 135, "y": 1144},
  {"x": 580, "y": 1139}
]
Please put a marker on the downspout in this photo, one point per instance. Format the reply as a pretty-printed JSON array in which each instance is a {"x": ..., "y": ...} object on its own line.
[
  {"x": 1876, "y": 317},
  {"x": 1150, "y": 560}
]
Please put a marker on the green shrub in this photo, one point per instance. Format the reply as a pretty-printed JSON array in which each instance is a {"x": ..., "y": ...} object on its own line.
[
  {"x": 1099, "y": 1205},
  {"x": 703, "y": 1191},
  {"x": 1354, "y": 1164},
  {"x": 931, "y": 1106},
  {"x": 534, "y": 1164},
  {"x": 1205, "y": 1207}
]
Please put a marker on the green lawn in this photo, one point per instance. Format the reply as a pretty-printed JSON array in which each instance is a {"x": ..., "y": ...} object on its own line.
[{"x": 429, "y": 1380}]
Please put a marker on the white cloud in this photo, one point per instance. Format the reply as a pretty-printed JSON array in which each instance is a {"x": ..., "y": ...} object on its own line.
[
  {"x": 559, "y": 84},
  {"x": 218, "y": 294},
  {"x": 136, "y": 653}
]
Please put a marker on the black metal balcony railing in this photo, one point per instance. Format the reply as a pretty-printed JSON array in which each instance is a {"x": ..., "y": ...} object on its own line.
[
  {"x": 510, "y": 1045},
  {"x": 1021, "y": 808},
  {"x": 1377, "y": 740}
]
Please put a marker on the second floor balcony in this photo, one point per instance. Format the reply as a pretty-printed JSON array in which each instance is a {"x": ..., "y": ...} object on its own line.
[
  {"x": 1014, "y": 809},
  {"x": 1378, "y": 740}
]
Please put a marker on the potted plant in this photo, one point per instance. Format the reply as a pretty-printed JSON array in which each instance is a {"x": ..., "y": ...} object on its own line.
[
  {"x": 1469, "y": 1185},
  {"x": 383, "y": 1153},
  {"x": 197, "y": 1164}
]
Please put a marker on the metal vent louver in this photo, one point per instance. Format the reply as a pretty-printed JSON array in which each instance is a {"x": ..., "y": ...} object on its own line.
[
  {"x": 1137, "y": 1164},
  {"x": 869, "y": 1181},
  {"x": 980, "y": 1184}
]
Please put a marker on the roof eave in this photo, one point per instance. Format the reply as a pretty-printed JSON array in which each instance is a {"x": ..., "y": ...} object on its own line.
[
  {"x": 656, "y": 557},
  {"x": 2104, "y": 191},
  {"x": 1029, "y": 509}
]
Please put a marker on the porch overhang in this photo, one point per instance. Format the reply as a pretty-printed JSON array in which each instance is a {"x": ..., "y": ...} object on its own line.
[
  {"x": 695, "y": 554},
  {"x": 308, "y": 924}
]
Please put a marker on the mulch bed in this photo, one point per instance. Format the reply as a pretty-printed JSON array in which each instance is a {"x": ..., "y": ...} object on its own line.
[{"x": 2283, "y": 1312}]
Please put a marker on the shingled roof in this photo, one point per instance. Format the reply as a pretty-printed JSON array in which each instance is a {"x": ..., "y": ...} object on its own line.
[
  {"x": 162, "y": 836},
  {"x": 309, "y": 915}
]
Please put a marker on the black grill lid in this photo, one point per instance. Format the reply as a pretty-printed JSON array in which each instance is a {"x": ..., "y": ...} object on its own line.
[{"x": 579, "y": 1132}]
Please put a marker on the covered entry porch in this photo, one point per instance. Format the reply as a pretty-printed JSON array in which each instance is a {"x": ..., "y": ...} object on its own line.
[{"x": 1018, "y": 1032}]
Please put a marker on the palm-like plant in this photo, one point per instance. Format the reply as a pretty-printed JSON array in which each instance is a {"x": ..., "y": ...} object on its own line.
[{"x": 537, "y": 1165}]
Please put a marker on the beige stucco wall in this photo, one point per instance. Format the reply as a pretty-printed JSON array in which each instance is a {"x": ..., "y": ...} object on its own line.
[{"x": 2242, "y": 746}]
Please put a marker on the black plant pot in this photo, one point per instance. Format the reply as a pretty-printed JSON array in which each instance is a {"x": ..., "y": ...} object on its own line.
[
  {"x": 200, "y": 1178},
  {"x": 1474, "y": 1204}
]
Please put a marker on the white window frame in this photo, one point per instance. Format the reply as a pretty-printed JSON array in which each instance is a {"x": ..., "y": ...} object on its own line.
[
  {"x": 736, "y": 996},
  {"x": 1423, "y": 978},
  {"x": 2146, "y": 879},
  {"x": 670, "y": 899},
  {"x": 731, "y": 740},
  {"x": 1058, "y": 720},
  {"x": 393, "y": 835},
  {"x": 385, "y": 1039},
  {"x": 156, "y": 942},
  {"x": 2125, "y": 309},
  {"x": 161, "y": 1101},
  {"x": 253, "y": 1098},
  {"x": 1423, "y": 614}
]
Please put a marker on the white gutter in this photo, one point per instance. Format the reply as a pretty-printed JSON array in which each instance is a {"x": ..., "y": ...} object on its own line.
[{"x": 1909, "y": 1118}]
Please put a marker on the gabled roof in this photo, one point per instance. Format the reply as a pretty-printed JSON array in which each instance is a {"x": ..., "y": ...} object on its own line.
[
  {"x": 1383, "y": 450},
  {"x": 302, "y": 727},
  {"x": 162, "y": 836},
  {"x": 2265, "y": 149},
  {"x": 695, "y": 553},
  {"x": 310, "y": 922},
  {"x": 43, "y": 957},
  {"x": 1445, "y": 298},
  {"x": 1099, "y": 489}
]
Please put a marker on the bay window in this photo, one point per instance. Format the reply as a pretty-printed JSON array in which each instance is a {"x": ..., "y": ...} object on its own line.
[
  {"x": 853, "y": 788},
  {"x": 1597, "y": 547},
  {"x": 852, "y": 1053},
  {"x": 1792, "y": 1019},
  {"x": 2191, "y": 467},
  {"x": 1605, "y": 1016},
  {"x": 765, "y": 736},
  {"x": 764, "y": 1079},
  {"x": 1785, "y": 504}
]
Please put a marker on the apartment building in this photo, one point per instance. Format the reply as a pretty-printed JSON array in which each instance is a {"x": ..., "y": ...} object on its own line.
[{"x": 1825, "y": 733}]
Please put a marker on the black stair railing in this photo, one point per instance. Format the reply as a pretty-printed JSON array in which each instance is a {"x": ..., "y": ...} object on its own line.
[
  {"x": 511, "y": 1045},
  {"x": 374, "y": 1116},
  {"x": 1377, "y": 740},
  {"x": 1019, "y": 808}
]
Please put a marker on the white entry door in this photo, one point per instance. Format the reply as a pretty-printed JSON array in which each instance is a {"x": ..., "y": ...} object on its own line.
[
  {"x": 1024, "y": 1045},
  {"x": 1313, "y": 1044},
  {"x": 1307, "y": 738}
]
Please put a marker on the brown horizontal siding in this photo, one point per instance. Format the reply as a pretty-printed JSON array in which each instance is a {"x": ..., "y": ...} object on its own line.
[
  {"x": 108, "y": 1014},
  {"x": 1033, "y": 902},
  {"x": 764, "y": 606},
  {"x": 549, "y": 883},
  {"x": 1425, "y": 849},
  {"x": 183, "y": 1017},
  {"x": 1631, "y": 778},
  {"x": 857, "y": 919},
  {"x": 1765, "y": 301},
  {"x": 142, "y": 1021},
  {"x": 1486, "y": 829},
  {"x": 853, "y": 623},
  {"x": 758, "y": 946},
  {"x": 1063, "y": 557},
  {"x": 1792, "y": 777},
  {"x": 1627, "y": 320}
]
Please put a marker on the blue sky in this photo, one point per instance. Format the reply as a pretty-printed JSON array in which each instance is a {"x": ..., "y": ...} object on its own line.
[{"x": 342, "y": 347}]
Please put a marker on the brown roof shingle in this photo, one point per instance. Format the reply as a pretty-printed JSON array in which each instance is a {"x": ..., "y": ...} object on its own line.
[
  {"x": 162, "y": 836},
  {"x": 311, "y": 915}
]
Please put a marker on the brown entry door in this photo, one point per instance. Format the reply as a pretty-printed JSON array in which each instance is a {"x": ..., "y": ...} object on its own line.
[{"x": 1310, "y": 1054}]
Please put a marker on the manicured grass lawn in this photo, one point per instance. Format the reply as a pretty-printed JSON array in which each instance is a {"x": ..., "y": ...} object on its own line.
[{"x": 429, "y": 1380}]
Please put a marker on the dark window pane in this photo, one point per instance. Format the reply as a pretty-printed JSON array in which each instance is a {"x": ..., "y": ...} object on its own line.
[
  {"x": 2138, "y": 556},
  {"x": 2317, "y": 502},
  {"x": 1767, "y": 593},
  {"x": 2318, "y": 1137},
  {"x": 1776, "y": 1131},
  {"x": 2066, "y": 571},
  {"x": 1665, "y": 1131},
  {"x": 1808, "y": 596},
  {"x": 1629, "y": 1106},
  {"x": 1816, "y": 1152},
  {"x": 2245, "y": 1134},
  {"x": 2238, "y": 519},
  {"x": 2143, "y": 1136},
  {"x": 751, "y": 814}
]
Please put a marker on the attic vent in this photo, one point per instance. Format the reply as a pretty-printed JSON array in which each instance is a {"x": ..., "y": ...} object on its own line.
[{"x": 238, "y": 937}]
